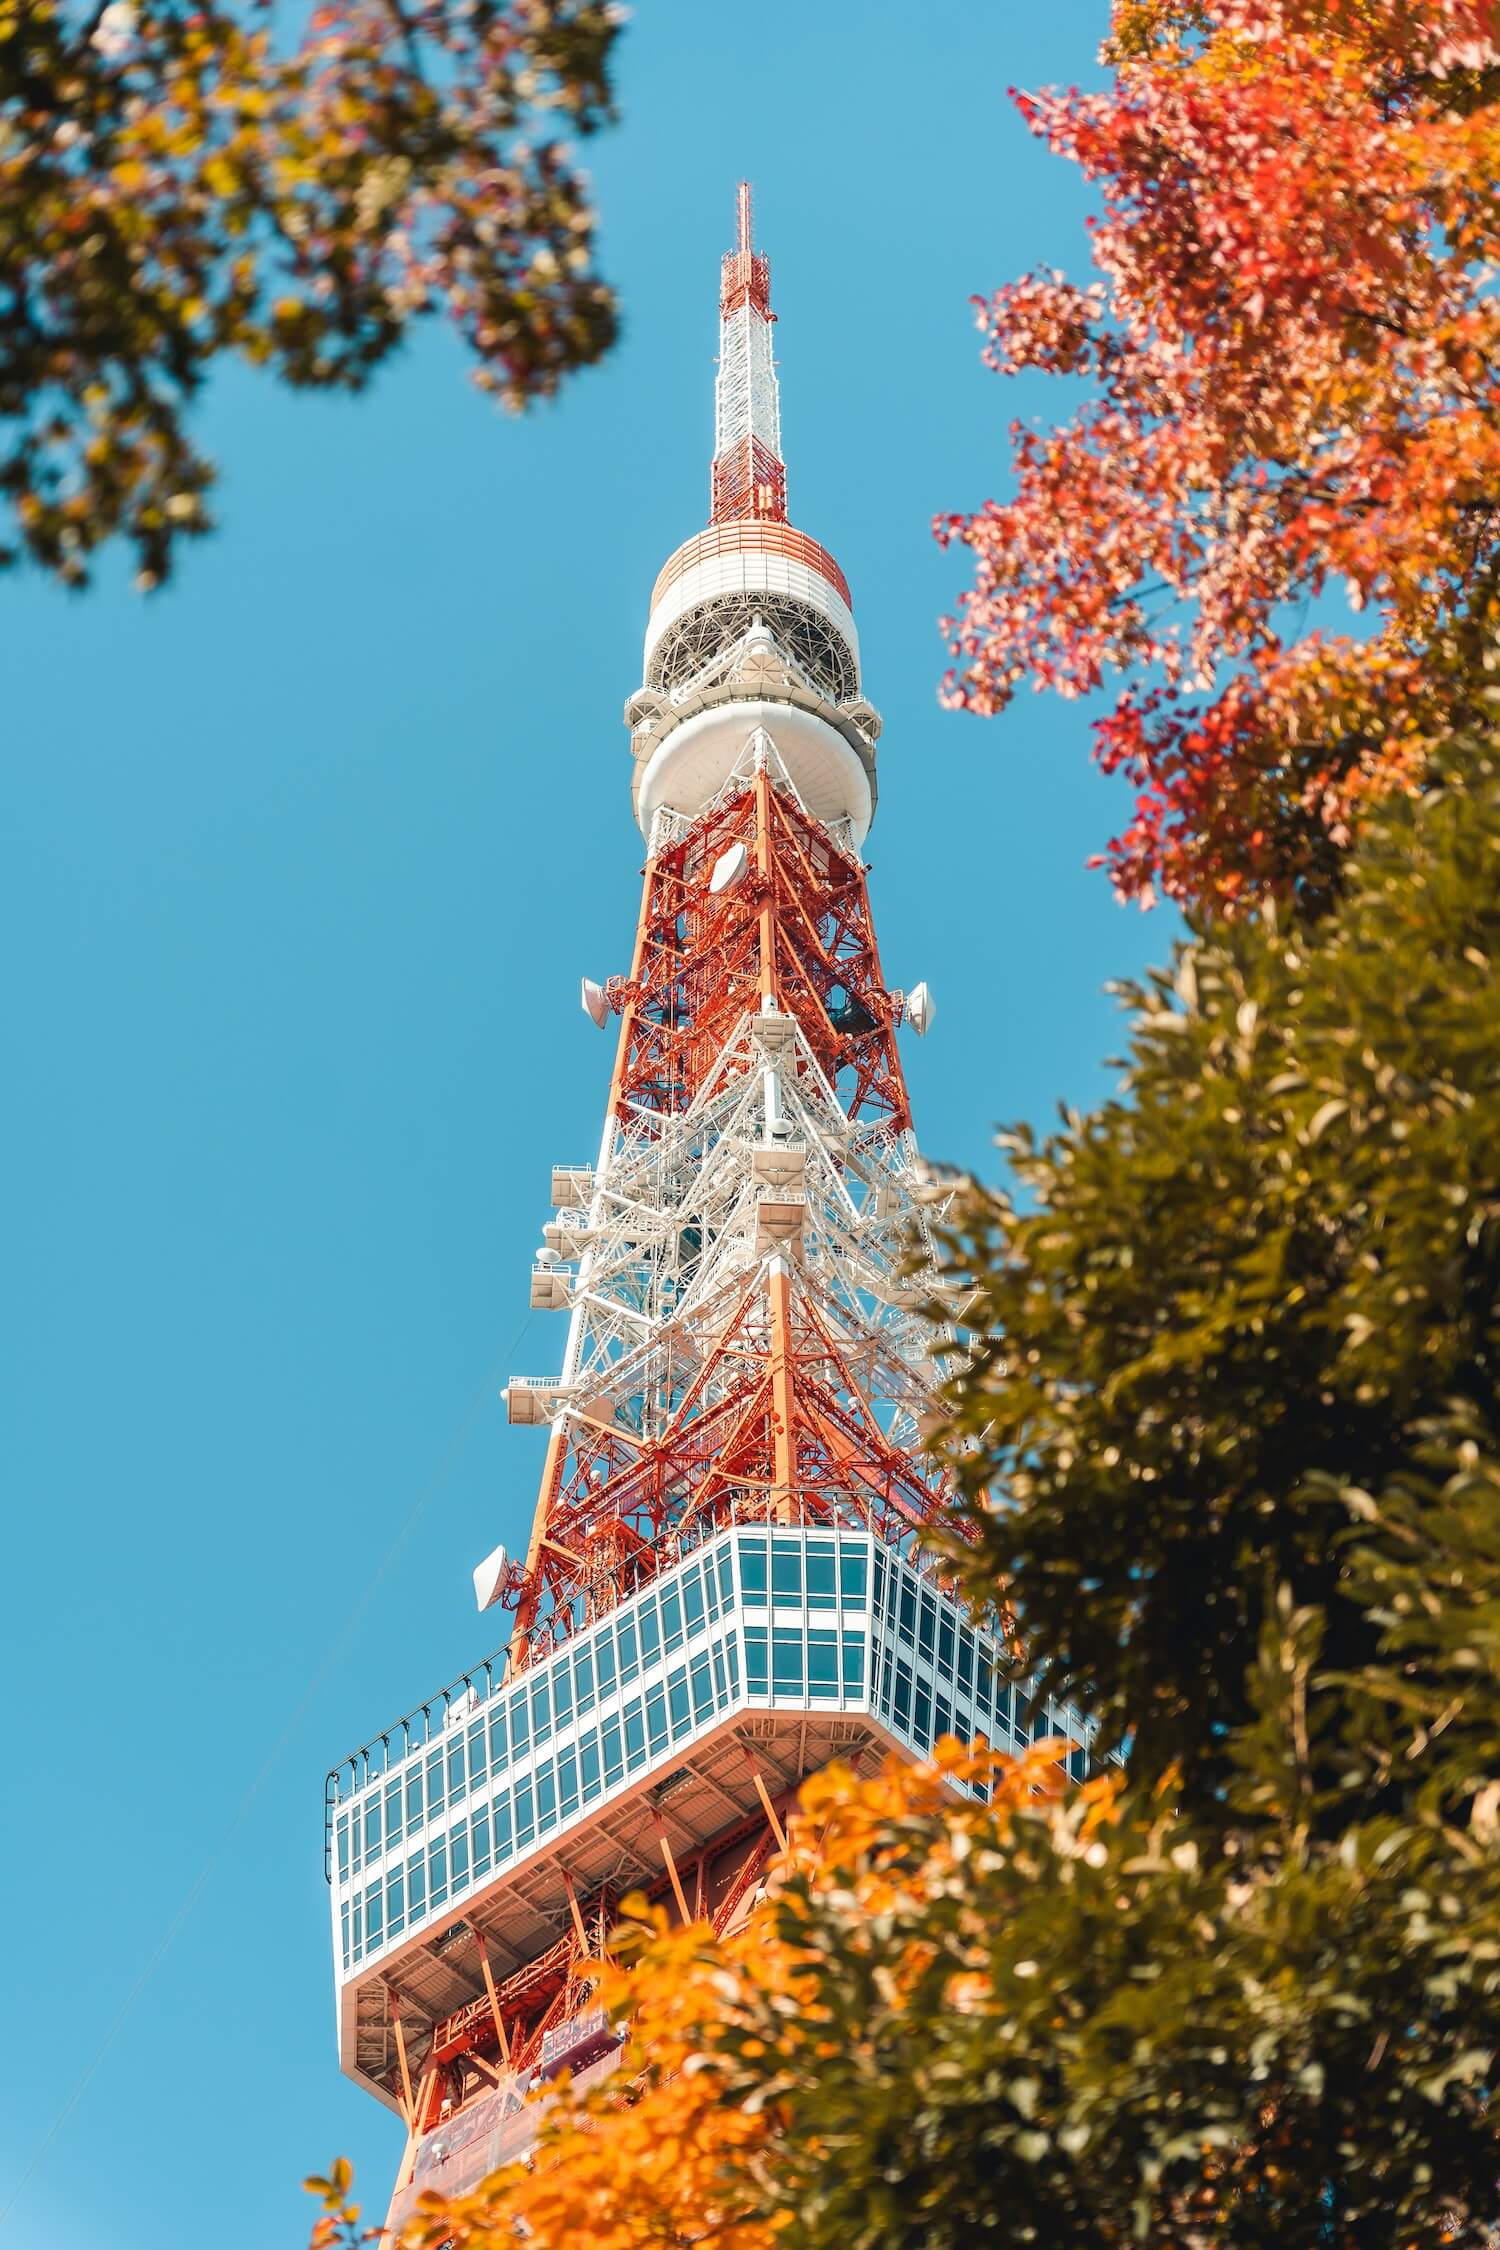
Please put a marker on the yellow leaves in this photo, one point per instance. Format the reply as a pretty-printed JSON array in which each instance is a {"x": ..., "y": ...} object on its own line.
[{"x": 220, "y": 177}]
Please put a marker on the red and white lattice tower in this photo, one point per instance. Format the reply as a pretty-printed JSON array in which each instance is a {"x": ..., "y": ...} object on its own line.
[{"x": 724, "y": 1587}]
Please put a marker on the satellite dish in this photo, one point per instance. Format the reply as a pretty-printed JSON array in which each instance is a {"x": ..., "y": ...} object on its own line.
[
  {"x": 920, "y": 1010},
  {"x": 489, "y": 1578},
  {"x": 729, "y": 870},
  {"x": 594, "y": 1003}
]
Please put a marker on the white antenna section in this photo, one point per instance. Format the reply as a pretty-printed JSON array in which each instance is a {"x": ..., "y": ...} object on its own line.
[
  {"x": 921, "y": 1008},
  {"x": 489, "y": 1578}
]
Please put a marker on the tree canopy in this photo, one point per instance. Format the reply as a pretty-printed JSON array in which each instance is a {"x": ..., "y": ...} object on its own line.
[
  {"x": 1290, "y": 388},
  {"x": 175, "y": 186}
]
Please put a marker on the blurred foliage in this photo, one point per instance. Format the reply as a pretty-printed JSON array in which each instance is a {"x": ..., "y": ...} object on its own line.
[{"x": 174, "y": 187}]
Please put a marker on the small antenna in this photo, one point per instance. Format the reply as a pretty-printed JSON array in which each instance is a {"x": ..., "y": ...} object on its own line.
[{"x": 745, "y": 223}]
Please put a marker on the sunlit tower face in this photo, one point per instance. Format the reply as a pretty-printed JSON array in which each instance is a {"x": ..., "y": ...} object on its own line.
[{"x": 725, "y": 1585}]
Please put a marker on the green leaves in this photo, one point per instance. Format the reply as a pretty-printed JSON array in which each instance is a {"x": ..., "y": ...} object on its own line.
[{"x": 173, "y": 188}]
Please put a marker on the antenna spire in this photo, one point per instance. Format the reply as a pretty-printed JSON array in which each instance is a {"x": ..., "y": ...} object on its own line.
[{"x": 749, "y": 476}]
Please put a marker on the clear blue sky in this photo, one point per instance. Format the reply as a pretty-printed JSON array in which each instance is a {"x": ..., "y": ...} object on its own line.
[{"x": 303, "y": 861}]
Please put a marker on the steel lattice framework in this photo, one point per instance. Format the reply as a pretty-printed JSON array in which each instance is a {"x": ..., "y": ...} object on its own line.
[
  {"x": 725, "y": 1584},
  {"x": 744, "y": 1342}
]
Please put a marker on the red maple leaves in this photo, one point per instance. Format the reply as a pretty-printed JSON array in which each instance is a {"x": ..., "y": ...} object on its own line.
[{"x": 1293, "y": 392}]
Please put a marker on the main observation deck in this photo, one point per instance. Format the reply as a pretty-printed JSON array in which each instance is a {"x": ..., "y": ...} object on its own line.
[{"x": 794, "y": 1646}]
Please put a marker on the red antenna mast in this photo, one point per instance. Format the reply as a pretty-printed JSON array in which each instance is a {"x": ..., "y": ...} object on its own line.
[{"x": 749, "y": 475}]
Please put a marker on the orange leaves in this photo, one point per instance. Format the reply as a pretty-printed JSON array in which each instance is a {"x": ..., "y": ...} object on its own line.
[{"x": 1292, "y": 349}]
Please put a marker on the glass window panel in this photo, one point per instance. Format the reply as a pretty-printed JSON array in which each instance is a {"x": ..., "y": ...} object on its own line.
[
  {"x": 732, "y": 1659},
  {"x": 887, "y": 1674},
  {"x": 525, "y": 1812},
  {"x": 786, "y": 1570},
  {"x": 822, "y": 1582},
  {"x": 562, "y": 1694},
  {"x": 753, "y": 1569},
  {"x": 629, "y": 1662},
  {"x": 478, "y": 1756},
  {"x": 416, "y": 1885},
  {"x": 546, "y": 1798},
  {"x": 721, "y": 1675},
  {"x": 906, "y": 1619},
  {"x": 965, "y": 1658},
  {"x": 726, "y": 1574},
  {"x": 671, "y": 1618},
  {"x": 942, "y": 1719},
  {"x": 414, "y": 1801},
  {"x": 520, "y": 1725},
  {"x": 481, "y": 1833},
  {"x": 457, "y": 1784},
  {"x": 1020, "y": 1717},
  {"x": 437, "y": 1871},
  {"x": 1078, "y": 1763},
  {"x": 854, "y": 1663},
  {"x": 927, "y": 1628},
  {"x": 853, "y": 1566},
  {"x": 703, "y": 1687},
  {"x": 499, "y": 1741},
  {"x": 922, "y": 1716},
  {"x": 604, "y": 1659},
  {"x": 901, "y": 1700},
  {"x": 822, "y": 1661},
  {"x": 567, "y": 1782},
  {"x": 541, "y": 1713},
  {"x": 588, "y": 1755},
  {"x": 501, "y": 1817},
  {"x": 635, "y": 1736},
  {"x": 681, "y": 1704},
  {"x": 359, "y": 1926},
  {"x": 984, "y": 1679},
  {"x": 650, "y": 1631},
  {"x": 458, "y": 1856},
  {"x": 786, "y": 1660},
  {"x": 344, "y": 1934},
  {"x": 343, "y": 1841},
  {"x": 392, "y": 1810},
  {"x": 880, "y": 1578},
  {"x": 372, "y": 1826},
  {"x": 395, "y": 1902},
  {"x": 945, "y": 1645},
  {"x": 757, "y": 1674},
  {"x": 656, "y": 1719},
  {"x": 692, "y": 1602},
  {"x": 583, "y": 1680},
  {"x": 374, "y": 1916}
]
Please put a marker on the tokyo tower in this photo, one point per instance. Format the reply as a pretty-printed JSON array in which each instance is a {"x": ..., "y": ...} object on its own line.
[{"x": 725, "y": 1586}]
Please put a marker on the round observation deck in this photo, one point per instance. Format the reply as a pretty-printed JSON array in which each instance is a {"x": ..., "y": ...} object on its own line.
[{"x": 708, "y": 591}]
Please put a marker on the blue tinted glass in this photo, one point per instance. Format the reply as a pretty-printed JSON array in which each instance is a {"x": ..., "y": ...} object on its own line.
[
  {"x": 625, "y": 1635},
  {"x": 671, "y": 1617},
  {"x": 854, "y": 1663},
  {"x": 681, "y": 1705},
  {"x": 786, "y": 1570},
  {"x": 757, "y": 1672},
  {"x": 852, "y": 1567},
  {"x": 786, "y": 1660},
  {"x": 822, "y": 1662},
  {"x": 703, "y": 1688},
  {"x": 650, "y": 1633},
  {"x": 583, "y": 1674},
  {"x": 589, "y": 1759},
  {"x": 525, "y": 1817},
  {"x": 692, "y": 1601},
  {"x": 614, "y": 1755},
  {"x": 541, "y": 1712},
  {"x": 520, "y": 1726},
  {"x": 567, "y": 1781},
  {"x": 562, "y": 1692},
  {"x": 604, "y": 1658},
  {"x": 635, "y": 1736},
  {"x": 753, "y": 1569},
  {"x": 481, "y": 1831},
  {"x": 546, "y": 1799},
  {"x": 656, "y": 1719}
]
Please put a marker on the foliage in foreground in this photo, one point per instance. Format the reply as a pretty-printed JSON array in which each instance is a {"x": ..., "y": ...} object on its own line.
[
  {"x": 1240, "y": 1393},
  {"x": 174, "y": 187},
  {"x": 1291, "y": 388}
]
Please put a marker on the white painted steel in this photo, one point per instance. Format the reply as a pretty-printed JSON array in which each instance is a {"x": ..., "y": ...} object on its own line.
[
  {"x": 691, "y": 765},
  {"x": 752, "y": 571}
]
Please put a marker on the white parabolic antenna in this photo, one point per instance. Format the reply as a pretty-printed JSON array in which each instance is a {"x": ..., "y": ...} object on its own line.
[
  {"x": 729, "y": 870},
  {"x": 489, "y": 1577},
  {"x": 594, "y": 1002},
  {"x": 920, "y": 1010}
]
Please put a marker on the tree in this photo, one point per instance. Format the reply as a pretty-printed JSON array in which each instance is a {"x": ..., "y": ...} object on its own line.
[
  {"x": 1234, "y": 1372},
  {"x": 173, "y": 188},
  {"x": 1292, "y": 388}
]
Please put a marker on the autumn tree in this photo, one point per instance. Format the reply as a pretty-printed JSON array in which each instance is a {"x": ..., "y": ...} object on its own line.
[
  {"x": 176, "y": 185},
  {"x": 1291, "y": 391}
]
